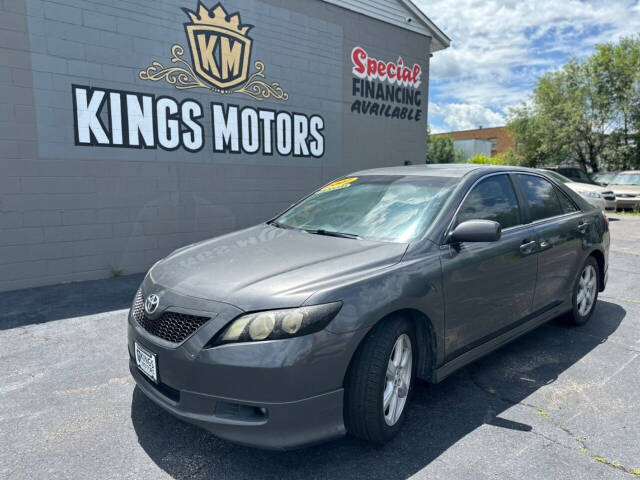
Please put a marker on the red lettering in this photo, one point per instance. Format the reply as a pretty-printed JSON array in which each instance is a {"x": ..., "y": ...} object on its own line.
[
  {"x": 369, "y": 67},
  {"x": 358, "y": 55},
  {"x": 391, "y": 69},
  {"x": 382, "y": 69},
  {"x": 416, "y": 73},
  {"x": 372, "y": 69}
]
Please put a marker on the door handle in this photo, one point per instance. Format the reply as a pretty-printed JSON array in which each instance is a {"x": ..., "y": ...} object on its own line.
[
  {"x": 527, "y": 247},
  {"x": 582, "y": 227}
]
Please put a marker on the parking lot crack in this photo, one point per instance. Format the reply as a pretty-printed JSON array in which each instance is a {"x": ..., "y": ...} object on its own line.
[{"x": 581, "y": 446}]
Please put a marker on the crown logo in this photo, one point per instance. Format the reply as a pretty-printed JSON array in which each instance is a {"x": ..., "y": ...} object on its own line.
[
  {"x": 218, "y": 17},
  {"x": 220, "y": 57}
]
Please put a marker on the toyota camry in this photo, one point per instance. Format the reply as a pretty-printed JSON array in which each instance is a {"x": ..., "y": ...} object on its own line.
[{"x": 316, "y": 323}]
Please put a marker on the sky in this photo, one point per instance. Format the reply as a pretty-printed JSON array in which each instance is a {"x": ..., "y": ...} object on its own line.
[{"x": 499, "y": 48}]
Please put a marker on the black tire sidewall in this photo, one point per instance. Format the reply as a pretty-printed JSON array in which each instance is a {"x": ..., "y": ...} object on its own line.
[
  {"x": 366, "y": 380},
  {"x": 576, "y": 318}
]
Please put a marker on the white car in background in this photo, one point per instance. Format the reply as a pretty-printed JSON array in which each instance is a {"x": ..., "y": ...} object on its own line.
[
  {"x": 626, "y": 186},
  {"x": 598, "y": 196}
]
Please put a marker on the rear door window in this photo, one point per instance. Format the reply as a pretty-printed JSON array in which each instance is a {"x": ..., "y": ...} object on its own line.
[
  {"x": 567, "y": 205},
  {"x": 492, "y": 199},
  {"x": 542, "y": 197}
]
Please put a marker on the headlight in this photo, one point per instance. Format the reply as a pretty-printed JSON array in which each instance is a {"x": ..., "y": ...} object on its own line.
[
  {"x": 277, "y": 324},
  {"x": 588, "y": 194}
]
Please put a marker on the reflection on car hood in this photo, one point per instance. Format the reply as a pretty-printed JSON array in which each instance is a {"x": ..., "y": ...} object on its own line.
[{"x": 267, "y": 267}]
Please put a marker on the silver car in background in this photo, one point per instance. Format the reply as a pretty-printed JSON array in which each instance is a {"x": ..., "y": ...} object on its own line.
[
  {"x": 604, "y": 178},
  {"x": 626, "y": 186},
  {"x": 601, "y": 197}
]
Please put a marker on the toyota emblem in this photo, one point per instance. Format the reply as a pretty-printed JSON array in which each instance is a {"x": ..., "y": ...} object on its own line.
[{"x": 151, "y": 303}]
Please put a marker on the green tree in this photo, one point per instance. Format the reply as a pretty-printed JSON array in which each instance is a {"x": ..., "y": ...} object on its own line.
[
  {"x": 441, "y": 150},
  {"x": 619, "y": 69},
  {"x": 586, "y": 111}
]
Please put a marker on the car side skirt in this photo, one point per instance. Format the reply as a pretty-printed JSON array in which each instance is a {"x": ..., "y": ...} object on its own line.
[{"x": 475, "y": 353}]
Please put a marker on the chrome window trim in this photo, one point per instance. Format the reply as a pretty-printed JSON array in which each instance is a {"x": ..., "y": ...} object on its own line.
[
  {"x": 522, "y": 225},
  {"x": 555, "y": 217}
]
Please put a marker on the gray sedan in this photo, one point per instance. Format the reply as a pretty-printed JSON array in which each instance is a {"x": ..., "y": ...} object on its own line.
[{"x": 317, "y": 323}]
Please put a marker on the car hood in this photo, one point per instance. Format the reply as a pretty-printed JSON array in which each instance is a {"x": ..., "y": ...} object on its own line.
[
  {"x": 625, "y": 189},
  {"x": 586, "y": 187},
  {"x": 267, "y": 267}
]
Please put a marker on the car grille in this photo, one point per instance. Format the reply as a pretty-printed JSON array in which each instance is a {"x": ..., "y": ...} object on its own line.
[
  {"x": 608, "y": 195},
  {"x": 627, "y": 195},
  {"x": 170, "y": 326}
]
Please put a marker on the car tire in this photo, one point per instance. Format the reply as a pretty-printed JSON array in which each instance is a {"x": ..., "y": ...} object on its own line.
[
  {"x": 585, "y": 292},
  {"x": 371, "y": 383}
]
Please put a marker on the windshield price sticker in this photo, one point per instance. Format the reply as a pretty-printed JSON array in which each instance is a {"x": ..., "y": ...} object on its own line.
[{"x": 344, "y": 183}]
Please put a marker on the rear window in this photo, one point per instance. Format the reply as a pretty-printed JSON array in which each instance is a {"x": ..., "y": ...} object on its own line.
[{"x": 542, "y": 197}]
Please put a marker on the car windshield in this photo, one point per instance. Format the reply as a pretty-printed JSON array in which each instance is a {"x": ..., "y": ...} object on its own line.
[
  {"x": 626, "y": 179},
  {"x": 376, "y": 207},
  {"x": 576, "y": 174},
  {"x": 604, "y": 177}
]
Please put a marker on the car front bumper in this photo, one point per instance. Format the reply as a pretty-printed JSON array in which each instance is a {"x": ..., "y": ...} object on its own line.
[
  {"x": 601, "y": 203},
  {"x": 627, "y": 202},
  {"x": 285, "y": 426},
  {"x": 278, "y": 394},
  {"x": 610, "y": 205}
]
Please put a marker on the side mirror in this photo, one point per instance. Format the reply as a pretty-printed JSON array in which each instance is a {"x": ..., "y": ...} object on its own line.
[{"x": 476, "y": 231}]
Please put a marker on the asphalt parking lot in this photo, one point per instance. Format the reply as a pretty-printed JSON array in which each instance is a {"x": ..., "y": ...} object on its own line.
[{"x": 560, "y": 402}]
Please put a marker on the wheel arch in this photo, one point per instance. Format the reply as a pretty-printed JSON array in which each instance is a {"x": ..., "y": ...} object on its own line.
[
  {"x": 425, "y": 339},
  {"x": 599, "y": 257}
]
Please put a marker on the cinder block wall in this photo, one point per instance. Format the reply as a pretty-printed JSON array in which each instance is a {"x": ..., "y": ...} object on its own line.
[{"x": 71, "y": 213}]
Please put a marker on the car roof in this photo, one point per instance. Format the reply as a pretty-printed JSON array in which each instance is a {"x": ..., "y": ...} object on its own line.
[
  {"x": 440, "y": 170},
  {"x": 564, "y": 167}
]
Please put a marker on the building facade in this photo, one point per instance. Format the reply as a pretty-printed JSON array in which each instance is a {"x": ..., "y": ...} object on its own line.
[
  {"x": 487, "y": 141},
  {"x": 129, "y": 129}
]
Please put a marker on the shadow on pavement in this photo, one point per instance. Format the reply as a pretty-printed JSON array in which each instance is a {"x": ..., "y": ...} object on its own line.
[
  {"x": 438, "y": 416},
  {"x": 44, "y": 304}
]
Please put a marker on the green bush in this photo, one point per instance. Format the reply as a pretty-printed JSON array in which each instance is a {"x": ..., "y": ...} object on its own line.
[{"x": 508, "y": 157}]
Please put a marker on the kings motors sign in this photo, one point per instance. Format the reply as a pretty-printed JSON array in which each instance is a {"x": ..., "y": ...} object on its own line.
[{"x": 221, "y": 51}]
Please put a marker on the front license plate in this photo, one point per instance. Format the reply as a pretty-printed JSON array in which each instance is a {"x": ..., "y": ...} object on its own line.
[{"x": 147, "y": 362}]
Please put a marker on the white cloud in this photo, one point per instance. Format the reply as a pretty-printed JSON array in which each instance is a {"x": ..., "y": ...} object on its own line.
[
  {"x": 499, "y": 48},
  {"x": 464, "y": 116}
]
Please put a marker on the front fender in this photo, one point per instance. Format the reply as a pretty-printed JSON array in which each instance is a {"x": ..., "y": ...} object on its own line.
[{"x": 413, "y": 284}]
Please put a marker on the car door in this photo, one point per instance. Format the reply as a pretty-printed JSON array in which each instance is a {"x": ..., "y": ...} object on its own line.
[
  {"x": 488, "y": 286},
  {"x": 559, "y": 230}
]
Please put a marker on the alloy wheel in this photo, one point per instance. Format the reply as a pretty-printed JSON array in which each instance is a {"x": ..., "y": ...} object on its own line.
[
  {"x": 587, "y": 287},
  {"x": 397, "y": 380}
]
